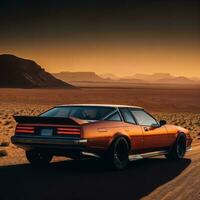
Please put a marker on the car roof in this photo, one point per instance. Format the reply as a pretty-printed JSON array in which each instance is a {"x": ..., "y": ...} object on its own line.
[{"x": 101, "y": 105}]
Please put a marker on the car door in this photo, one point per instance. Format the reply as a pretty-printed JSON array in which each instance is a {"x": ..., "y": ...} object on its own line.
[
  {"x": 134, "y": 130},
  {"x": 155, "y": 137}
]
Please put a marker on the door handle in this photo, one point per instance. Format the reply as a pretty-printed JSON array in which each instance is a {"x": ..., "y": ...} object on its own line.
[
  {"x": 102, "y": 130},
  {"x": 146, "y": 128}
]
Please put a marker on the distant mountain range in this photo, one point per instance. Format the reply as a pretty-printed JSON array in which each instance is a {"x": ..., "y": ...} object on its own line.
[
  {"x": 109, "y": 76},
  {"x": 156, "y": 78},
  {"x": 22, "y": 73},
  {"x": 151, "y": 77},
  {"x": 79, "y": 76},
  {"x": 17, "y": 72},
  {"x": 164, "y": 78}
]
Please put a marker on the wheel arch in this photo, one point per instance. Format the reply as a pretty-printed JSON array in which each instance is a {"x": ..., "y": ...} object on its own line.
[
  {"x": 178, "y": 135},
  {"x": 173, "y": 152},
  {"x": 117, "y": 135},
  {"x": 181, "y": 134}
]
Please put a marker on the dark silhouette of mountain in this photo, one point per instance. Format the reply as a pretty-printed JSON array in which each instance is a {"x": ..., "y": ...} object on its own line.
[
  {"x": 79, "y": 76},
  {"x": 17, "y": 72}
]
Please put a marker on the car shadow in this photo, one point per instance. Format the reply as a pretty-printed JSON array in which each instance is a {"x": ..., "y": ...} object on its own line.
[{"x": 87, "y": 179}]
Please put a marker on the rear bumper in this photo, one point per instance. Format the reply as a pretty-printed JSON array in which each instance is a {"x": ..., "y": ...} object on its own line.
[{"x": 47, "y": 142}]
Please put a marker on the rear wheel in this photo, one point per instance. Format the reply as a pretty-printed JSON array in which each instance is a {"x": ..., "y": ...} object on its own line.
[
  {"x": 118, "y": 154},
  {"x": 38, "y": 158},
  {"x": 179, "y": 148}
]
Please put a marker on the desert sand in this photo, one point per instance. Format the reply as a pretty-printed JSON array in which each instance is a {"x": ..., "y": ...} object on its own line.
[{"x": 176, "y": 105}]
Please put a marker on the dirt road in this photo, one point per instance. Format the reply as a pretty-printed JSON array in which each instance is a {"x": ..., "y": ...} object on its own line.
[{"x": 154, "y": 178}]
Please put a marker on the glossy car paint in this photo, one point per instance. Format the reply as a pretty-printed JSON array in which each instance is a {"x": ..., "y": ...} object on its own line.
[{"x": 101, "y": 134}]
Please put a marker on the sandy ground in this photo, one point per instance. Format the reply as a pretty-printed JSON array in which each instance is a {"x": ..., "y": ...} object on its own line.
[
  {"x": 149, "y": 179},
  {"x": 168, "y": 103}
]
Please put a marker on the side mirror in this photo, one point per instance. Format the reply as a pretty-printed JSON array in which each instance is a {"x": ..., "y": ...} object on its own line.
[{"x": 162, "y": 122}]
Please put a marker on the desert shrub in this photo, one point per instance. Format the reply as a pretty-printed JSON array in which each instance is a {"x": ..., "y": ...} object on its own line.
[
  {"x": 3, "y": 153},
  {"x": 4, "y": 143}
]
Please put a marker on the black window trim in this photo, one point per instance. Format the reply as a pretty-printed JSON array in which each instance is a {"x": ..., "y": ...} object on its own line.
[{"x": 117, "y": 109}]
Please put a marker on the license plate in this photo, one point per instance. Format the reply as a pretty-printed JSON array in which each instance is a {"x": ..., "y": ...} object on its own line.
[{"x": 46, "y": 132}]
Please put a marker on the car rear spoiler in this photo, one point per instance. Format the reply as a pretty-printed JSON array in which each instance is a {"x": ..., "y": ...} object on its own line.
[{"x": 46, "y": 120}]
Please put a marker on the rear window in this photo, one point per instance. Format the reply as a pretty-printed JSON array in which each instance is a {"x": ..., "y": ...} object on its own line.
[{"x": 80, "y": 112}]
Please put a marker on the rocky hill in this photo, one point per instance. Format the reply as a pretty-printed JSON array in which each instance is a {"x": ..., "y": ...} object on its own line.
[{"x": 17, "y": 72}]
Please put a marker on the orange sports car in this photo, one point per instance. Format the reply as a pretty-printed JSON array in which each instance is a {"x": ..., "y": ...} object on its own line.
[{"x": 116, "y": 133}]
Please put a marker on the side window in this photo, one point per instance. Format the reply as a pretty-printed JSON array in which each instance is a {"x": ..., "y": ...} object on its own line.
[
  {"x": 143, "y": 118},
  {"x": 127, "y": 116},
  {"x": 114, "y": 117}
]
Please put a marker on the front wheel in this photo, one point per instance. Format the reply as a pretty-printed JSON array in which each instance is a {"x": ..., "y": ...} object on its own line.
[
  {"x": 179, "y": 148},
  {"x": 38, "y": 158},
  {"x": 118, "y": 154}
]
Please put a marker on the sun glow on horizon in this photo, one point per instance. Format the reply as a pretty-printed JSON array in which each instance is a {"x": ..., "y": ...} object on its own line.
[{"x": 116, "y": 58}]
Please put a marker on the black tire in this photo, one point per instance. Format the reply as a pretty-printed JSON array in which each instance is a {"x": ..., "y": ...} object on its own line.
[
  {"x": 38, "y": 158},
  {"x": 117, "y": 155},
  {"x": 178, "y": 150}
]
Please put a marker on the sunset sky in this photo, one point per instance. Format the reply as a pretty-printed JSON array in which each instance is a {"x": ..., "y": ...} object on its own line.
[{"x": 120, "y": 37}]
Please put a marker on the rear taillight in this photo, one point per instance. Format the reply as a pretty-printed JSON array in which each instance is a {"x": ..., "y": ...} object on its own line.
[
  {"x": 69, "y": 131},
  {"x": 24, "y": 129}
]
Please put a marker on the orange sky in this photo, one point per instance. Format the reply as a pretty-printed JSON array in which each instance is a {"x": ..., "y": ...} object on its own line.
[
  {"x": 119, "y": 37},
  {"x": 117, "y": 58}
]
